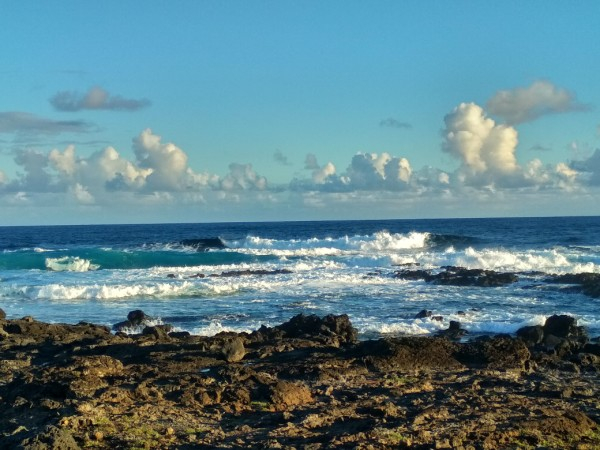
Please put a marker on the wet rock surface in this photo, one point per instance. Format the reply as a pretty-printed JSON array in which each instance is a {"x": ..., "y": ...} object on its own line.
[
  {"x": 460, "y": 276},
  {"x": 308, "y": 383}
]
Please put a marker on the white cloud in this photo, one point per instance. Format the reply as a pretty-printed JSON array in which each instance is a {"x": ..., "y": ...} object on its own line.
[
  {"x": 526, "y": 104},
  {"x": 486, "y": 150},
  {"x": 96, "y": 98},
  {"x": 81, "y": 194},
  {"x": 322, "y": 174},
  {"x": 242, "y": 177}
]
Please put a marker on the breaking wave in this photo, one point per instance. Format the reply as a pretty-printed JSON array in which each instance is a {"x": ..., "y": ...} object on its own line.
[{"x": 70, "y": 264}]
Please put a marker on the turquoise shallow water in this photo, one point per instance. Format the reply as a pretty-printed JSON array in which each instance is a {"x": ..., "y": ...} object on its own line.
[{"x": 99, "y": 273}]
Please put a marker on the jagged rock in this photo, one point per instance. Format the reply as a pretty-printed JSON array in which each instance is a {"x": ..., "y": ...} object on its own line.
[
  {"x": 158, "y": 331},
  {"x": 589, "y": 283},
  {"x": 454, "y": 331},
  {"x": 560, "y": 325},
  {"x": 313, "y": 326},
  {"x": 423, "y": 314},
  {"x": 460, "y": 276},
  {"x": 2, "y": 314},
  {"x": 286, "y": 394},
  {"x": 238, "y": 273},
  {"x": 531, "y": 335},
  {"x": 135, "y": 318},
  {"x": 52, "y": 438},
  {"x": 498, "y": 352},
  {"x": 233, "y": 350}
]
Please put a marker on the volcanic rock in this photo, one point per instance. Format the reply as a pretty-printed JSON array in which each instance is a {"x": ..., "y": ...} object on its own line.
[{"x": 233, "y": 350}]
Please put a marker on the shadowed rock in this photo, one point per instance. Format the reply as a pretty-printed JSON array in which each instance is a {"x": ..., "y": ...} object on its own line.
[
  {"x": 233, "y": 350},
  {"x": 459, "y": 276}
]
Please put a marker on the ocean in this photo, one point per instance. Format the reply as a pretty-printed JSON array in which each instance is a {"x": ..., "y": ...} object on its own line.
[{"x": 276, "y": 270}]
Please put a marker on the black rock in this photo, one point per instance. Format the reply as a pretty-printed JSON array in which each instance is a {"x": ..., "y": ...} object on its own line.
[
  {"x": 423, "y": 314},
  {"x": 561, "y": 326},
  {"x": 531, "y": 335},
  {"x": 204, "y": 244},
  {"x": 137, "y": 316},
  {"x": 313, "y": 326},
  {"x": 158, "y": 331}
]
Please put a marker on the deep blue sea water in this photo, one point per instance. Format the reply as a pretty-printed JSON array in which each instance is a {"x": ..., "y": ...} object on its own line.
[{"x": 99, "y": 273}]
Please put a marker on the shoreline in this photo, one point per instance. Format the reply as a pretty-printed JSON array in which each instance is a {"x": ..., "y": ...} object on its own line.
[{"x": 307, "y": 383}]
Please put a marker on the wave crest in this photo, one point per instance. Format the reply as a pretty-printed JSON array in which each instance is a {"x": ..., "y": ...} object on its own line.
[{"x": 70, "y": 264}]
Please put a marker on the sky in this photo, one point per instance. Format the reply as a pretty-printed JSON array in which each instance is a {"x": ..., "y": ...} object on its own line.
[{"x": 231, "y": 110}]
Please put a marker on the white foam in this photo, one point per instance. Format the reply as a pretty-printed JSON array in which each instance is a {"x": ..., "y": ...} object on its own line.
[
  {"x": 70, "y": 264},
  {"x": 550, "y": 261},
  {"x": 104, "y": 292},
  {"x": 216, "y": 327},
  {"x": 385, "y": 242}
]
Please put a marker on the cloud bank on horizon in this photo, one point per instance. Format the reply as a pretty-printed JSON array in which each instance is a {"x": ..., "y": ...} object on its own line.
[{"x": 485, "y": 151}]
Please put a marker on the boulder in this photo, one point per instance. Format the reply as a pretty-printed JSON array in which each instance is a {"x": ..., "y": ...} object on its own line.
[
  {"x": 233, "y": 349},
  {"x": 286, "y": 394},
  {"x": 2, "y": 314},
  {"x": 135, "y": 319},
  {"x": 561, "y": 326},
  {"x": 531, "y": 335},
  {"x": 302, "y": 326}
]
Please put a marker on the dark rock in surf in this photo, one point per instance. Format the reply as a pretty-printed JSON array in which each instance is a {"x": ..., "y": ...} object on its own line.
[
  {"x": 423, "y": 314},
  {"x": 459, "y": 276},
  {"x": 588, "y": 283},
  {"x": 413, "y": 275},
  {"x": 454, "y": 331},
  {"x": 238, "y": 273},
  {"x": 135, "y": 318},
  {"x": 204, "y": 244}
]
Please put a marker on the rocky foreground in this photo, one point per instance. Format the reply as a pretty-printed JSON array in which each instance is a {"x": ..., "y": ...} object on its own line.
[{"x": 308, "y": 383}]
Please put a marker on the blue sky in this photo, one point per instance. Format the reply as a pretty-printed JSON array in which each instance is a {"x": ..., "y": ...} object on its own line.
[{"x": 198, "y": 111}]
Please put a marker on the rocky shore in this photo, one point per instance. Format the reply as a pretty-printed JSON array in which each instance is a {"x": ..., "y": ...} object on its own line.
[{"x": 306, "y": 384}]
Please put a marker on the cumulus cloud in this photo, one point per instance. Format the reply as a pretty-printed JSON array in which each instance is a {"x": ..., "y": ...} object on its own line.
[
  {"x": 167, "y": 163},
  {"x": 242, "y": 177},
  {"x": 29, "y": 124},
  {"x": 485, "y": 149},
  {"x": 96, "y": 98},
  {"x": 280, "y": 158},
  {"x": 390, "y": 122},
  {"x": 526, "y": 104},
  {"x": 366, "y": 172},
  {"x": 159, "y": 168}
]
